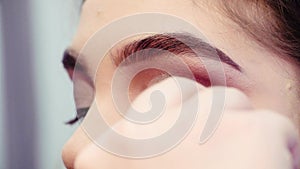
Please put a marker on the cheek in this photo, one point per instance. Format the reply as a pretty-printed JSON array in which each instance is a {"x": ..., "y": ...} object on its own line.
[
  {"x": 73, "y": 147},
  {"x": 277, "y": 99}
]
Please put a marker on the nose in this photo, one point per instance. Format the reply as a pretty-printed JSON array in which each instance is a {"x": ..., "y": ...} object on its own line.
[
  {"x": 73, "y": 147},
  {"x": 93, "y": 157}
]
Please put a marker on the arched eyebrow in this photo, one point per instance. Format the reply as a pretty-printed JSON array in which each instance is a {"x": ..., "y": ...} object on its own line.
[
  {"x": 176, "y": 43},
  {"x": 70, "y": 61}
]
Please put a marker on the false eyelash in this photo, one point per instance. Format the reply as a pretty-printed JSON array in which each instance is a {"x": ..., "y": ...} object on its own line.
[{"x": 80, "y": 114}]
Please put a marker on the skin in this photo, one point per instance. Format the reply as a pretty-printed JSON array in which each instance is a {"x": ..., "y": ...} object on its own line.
[
  {"x": 230, "y": 147},
  {"x": 269, "y": 82}
]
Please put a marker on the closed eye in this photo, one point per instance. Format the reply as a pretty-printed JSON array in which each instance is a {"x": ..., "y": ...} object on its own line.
[
  {"x": 180, "y": 44},
  {"x": 71, "y": 65}
]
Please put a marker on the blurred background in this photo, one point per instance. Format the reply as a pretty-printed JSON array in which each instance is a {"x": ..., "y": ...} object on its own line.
[{"x": 36, "y": 93}]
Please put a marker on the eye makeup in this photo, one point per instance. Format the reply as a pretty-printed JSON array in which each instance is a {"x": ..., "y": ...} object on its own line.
[
  {"x": 188, "y": 48},
  {"x": 170, "y": 43},
  {"x": 80, "y": 114},
  {"x": 176, "y": 43},
  {"x": 69, "y": 62}
]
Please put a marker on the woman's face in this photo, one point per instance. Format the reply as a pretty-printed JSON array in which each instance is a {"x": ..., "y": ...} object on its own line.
[{"x": 270, "y": 81}]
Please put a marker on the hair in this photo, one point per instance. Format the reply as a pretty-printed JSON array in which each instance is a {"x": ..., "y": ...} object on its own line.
[{"x": 274, "y": 24}]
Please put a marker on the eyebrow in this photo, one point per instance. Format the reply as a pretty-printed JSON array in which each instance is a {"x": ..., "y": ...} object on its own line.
[
  {"x": 82, "y": 2},
  {"x": 69, "y": 60},
  {"x": 70, "y": 63},
  {"x": 176, "y": 43}
]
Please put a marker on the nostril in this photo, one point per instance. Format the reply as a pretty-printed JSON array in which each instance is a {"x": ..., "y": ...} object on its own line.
[{"x": 295, "y": 152}]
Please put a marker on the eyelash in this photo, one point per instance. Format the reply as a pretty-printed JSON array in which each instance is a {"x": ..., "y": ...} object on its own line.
[{"x": 80, "y": 114}]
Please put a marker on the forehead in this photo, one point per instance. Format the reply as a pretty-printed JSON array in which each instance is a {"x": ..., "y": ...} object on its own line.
[
  {"x": 203, "y": 14},
  {"x": 98, "y": 13}
]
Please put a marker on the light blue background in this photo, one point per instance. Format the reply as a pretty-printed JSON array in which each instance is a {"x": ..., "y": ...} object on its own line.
[{"x": 53, "y": 25}]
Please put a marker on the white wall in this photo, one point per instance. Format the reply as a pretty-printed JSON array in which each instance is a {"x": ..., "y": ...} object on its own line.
[{"x": 54, "y": 25}]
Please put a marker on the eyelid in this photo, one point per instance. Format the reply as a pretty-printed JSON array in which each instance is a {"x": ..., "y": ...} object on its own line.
[
  {"x": 158, "y": 79},
  {"x": 170, "y": 61}
]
